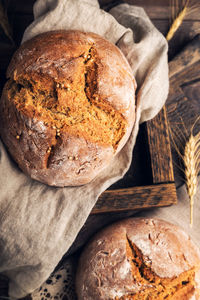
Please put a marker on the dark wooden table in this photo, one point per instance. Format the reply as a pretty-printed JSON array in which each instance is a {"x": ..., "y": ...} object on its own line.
[{"x": 187, "y": 107}]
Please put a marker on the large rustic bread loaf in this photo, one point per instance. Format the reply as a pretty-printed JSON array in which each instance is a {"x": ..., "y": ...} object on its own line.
[
  {"x": 140, "y": 259},
  {"x": 68, "y": 106}
]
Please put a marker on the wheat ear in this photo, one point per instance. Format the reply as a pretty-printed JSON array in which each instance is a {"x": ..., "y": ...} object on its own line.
[
  {"x": 190, "y": 173},
  {"x": 192, "y": 166},
  {"x": 177, "y": 22}
]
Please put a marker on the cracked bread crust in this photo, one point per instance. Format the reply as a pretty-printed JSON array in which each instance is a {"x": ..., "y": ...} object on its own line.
[
  {"x": 139, "y": 259},
  {"x": 68, "y": 106}
]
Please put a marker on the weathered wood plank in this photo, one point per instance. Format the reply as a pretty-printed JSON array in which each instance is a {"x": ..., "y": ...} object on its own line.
[
  {"x": 159, "y": 147},
  {"x": 136, "y": 198},
  {"x": 189, "y": 56}
]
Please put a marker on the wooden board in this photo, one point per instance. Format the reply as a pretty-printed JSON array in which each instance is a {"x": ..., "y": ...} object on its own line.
[{"x": 136, "y": 198}]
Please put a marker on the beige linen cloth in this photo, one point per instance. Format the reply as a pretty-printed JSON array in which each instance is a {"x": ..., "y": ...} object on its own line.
[{"x": 39, "y": 223}]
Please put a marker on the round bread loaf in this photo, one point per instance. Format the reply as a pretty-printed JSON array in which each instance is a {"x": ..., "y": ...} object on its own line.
[
  {"x": 68, "y": 106},
  {"x": 139, "y": 259}
]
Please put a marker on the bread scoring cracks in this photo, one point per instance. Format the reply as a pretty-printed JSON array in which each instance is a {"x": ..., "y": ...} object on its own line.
[
  {"x": 152, "y": 286},
  {"x": 90, "y": 68},
  {"x": 70, "y": 106},
  {"x": 91, "y": 92},
  {"x": 52, "y": 148}
]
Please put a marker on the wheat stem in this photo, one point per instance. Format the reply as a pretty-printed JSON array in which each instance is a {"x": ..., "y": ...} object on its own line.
[
  {"x": 179, "y": 168},
  {"x": 190, "y": 172},
  {"x": 175, "y": 145},
  {"x": 191, "y": 210},
  {"x": 177, "y": 22},
  {"x": 190, "y": 157},
  {"x": 180, "y": 139}
]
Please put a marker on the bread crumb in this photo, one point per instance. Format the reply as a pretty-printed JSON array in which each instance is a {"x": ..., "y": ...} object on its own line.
[
  {"x": 15, "y": 75},
  {"x": 49, "y": 150}
]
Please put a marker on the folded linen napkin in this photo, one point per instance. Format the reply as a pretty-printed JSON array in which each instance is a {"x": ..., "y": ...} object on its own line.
[{"x": 39, "y": 223}]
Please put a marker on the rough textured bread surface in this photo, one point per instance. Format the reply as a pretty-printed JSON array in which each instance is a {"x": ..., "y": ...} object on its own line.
[
  {"x": 139, "y": 259},
  {"x": 68, "y": 106}
]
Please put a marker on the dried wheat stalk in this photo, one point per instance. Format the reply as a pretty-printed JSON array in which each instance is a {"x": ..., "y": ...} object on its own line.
[
  {"x": 190, "y": 155},
  {"x": 192, "y": 168},
  {"x": 177, "y": 21}
]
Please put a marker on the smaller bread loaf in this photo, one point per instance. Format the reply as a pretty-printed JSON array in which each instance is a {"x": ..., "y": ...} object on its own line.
[
  {"x": 139, "y": 259},
  {"x": 68, "y": 106}
]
